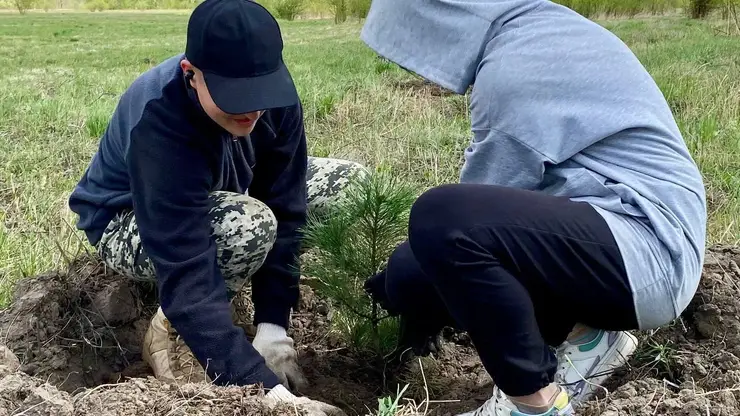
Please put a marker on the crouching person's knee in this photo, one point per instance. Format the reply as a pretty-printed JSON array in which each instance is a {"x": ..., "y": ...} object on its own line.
[
  {"x": 244, "y": 230},
  {"x": 327, "y": 180},
  {"x": 433, "y": 229}
]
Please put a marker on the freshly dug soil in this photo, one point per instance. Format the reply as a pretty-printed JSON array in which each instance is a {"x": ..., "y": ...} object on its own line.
[
  {"x": 423, "y": 87},
  {"x": 77, "y": 330},
  {"x": 20, "y": 392},
  {"x": 152, "y": 397},
  {"x": 23, "y": 394}
]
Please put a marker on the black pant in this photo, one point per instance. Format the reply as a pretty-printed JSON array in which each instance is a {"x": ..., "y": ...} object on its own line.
[{"x": 516, "y": 270}]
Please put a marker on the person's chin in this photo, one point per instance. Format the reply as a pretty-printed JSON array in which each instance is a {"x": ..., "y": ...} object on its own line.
[{"x": 240, "y": 130}]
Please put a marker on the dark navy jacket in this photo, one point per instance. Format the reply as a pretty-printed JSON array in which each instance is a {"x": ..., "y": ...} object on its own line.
[{"x": 161, "y": 156}]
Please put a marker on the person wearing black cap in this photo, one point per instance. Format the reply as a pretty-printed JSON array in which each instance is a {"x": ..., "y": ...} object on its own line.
[{"x": 201, "y": 182}]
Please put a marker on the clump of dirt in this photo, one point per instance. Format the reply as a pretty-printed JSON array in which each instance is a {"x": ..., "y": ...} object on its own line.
[
  {"x": 690, "y": 367},
  {"x": 150, "y": 396},
  {"x": 78, "y": 329},
  {"x": 455, "y": 378},
  {"x": 23, "y": 394},
  {"x": 9, "y": 363},
  {"x": 423, "y": 87},
  {"x": 652, "y": 397}
]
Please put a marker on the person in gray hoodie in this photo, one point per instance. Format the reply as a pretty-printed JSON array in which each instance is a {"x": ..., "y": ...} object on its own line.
[{"x": 580, "y": 213}]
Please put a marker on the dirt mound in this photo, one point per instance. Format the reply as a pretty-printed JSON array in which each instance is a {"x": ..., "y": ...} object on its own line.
[
  {"x": 9, "y": 363},
  {"x": 690, "y": 367},
  {"x": 27, "y": 395},
  {"x": 652, "y": 397},
  {"x": 423, "y": 87},
  {"x": 83, "y": 328},
  {"x": 23, "y": 394},
  {"x": 150, "y": 396},
  {"x": 78, "y": 329},
  {"x": 77, "y": 336},
  {"x": 20, "y": 392}
]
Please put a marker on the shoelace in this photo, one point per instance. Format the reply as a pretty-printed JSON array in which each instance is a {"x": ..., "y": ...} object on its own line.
[
  {"x": 241, "y": 308},
  {"x": 184, "y": 360},
  {"x": 562, "y": 356},
  {"x": 488, "y": 408}
]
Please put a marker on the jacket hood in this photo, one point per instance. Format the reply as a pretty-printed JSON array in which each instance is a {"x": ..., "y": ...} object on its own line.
[{"x": 440, "y": 40}]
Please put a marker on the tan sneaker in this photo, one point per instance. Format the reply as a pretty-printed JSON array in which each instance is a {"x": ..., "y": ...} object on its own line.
[{"x": 168, "y": 356}]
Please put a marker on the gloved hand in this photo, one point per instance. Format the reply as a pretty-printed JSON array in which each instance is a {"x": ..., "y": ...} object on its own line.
[
  {"x": 420, "y": 334},
  {"x": 280, "y": 394},
  {"x": 375, "y": 288},
  {"x": 273, "y": 343}
]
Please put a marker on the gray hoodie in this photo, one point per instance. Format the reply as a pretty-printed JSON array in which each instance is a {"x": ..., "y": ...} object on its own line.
[{"x": 560, "y": 105}]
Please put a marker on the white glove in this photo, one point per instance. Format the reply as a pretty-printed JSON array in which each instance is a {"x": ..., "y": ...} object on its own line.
[
  {"x": 273, "y": 343},
  {"x": 279, "y": 394}
]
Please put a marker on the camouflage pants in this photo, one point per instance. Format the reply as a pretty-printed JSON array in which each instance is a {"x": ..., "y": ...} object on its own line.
[{"x": 243, "y": 228}]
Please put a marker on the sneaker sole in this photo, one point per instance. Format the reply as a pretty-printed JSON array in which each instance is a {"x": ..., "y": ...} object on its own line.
[{"x": 624, "y": 347}]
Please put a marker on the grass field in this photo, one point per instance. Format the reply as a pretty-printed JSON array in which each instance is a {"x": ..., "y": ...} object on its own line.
[{"x": 62, "y": 73}]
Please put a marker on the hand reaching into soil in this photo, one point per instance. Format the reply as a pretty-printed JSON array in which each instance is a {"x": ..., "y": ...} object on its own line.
[
  {"x": 418, "y": 332},
  {"x": 419, "y": 336},
  {"x": 280, "y": 394},
  {"x": 272, "y": 342}
]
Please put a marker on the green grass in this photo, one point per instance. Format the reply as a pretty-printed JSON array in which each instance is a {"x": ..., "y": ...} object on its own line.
[
  {"x": 62, "y": 73},
  {"x": 623, "y": 7}
]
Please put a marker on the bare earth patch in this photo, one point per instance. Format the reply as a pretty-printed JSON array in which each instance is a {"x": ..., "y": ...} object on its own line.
[
  {"x": 423, "y": 87},
  {"x": 78, "y": 329},
  {"x": 75, "y": 342}
]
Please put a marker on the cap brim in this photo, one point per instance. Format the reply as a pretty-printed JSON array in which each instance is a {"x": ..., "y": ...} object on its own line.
[{"x": 244, "y": 95}]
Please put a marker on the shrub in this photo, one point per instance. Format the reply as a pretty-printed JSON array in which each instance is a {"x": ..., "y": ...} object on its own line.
[
  {"x": 289, "y": 9},
  {"x": 352, "y": 243},
  {"x": 594, "y": 8},
  {"x": 96, "y": 5},
  {"x": 359, "y": 8},
  {"x": 339, "y": 9},
  {"x": 23, "y": 5},
  {"x": 700, "y": 8}
]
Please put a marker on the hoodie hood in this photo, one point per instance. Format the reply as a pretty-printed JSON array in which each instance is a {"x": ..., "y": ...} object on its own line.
[{"x": 440, "y": 40}]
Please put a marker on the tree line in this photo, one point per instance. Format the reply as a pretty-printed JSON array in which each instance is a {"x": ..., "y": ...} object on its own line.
[{"x": 342, "y": 10}]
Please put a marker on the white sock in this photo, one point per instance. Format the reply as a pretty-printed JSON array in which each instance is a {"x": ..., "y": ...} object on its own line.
[
  {"x": 270, "y": 332},
  {"x": 279, "y": 392}
]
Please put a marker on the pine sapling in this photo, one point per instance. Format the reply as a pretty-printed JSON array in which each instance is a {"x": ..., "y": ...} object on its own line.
[{"x": 352, "y": 243}]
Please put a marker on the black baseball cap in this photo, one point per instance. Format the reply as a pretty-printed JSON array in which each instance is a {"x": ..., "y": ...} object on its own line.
[{"x": 238, "y": 46}]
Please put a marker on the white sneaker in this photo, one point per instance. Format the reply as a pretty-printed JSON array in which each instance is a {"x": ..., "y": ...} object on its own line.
[
  {"x": 500, "y": 405},
  {"x": 583, "y": 368}
]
